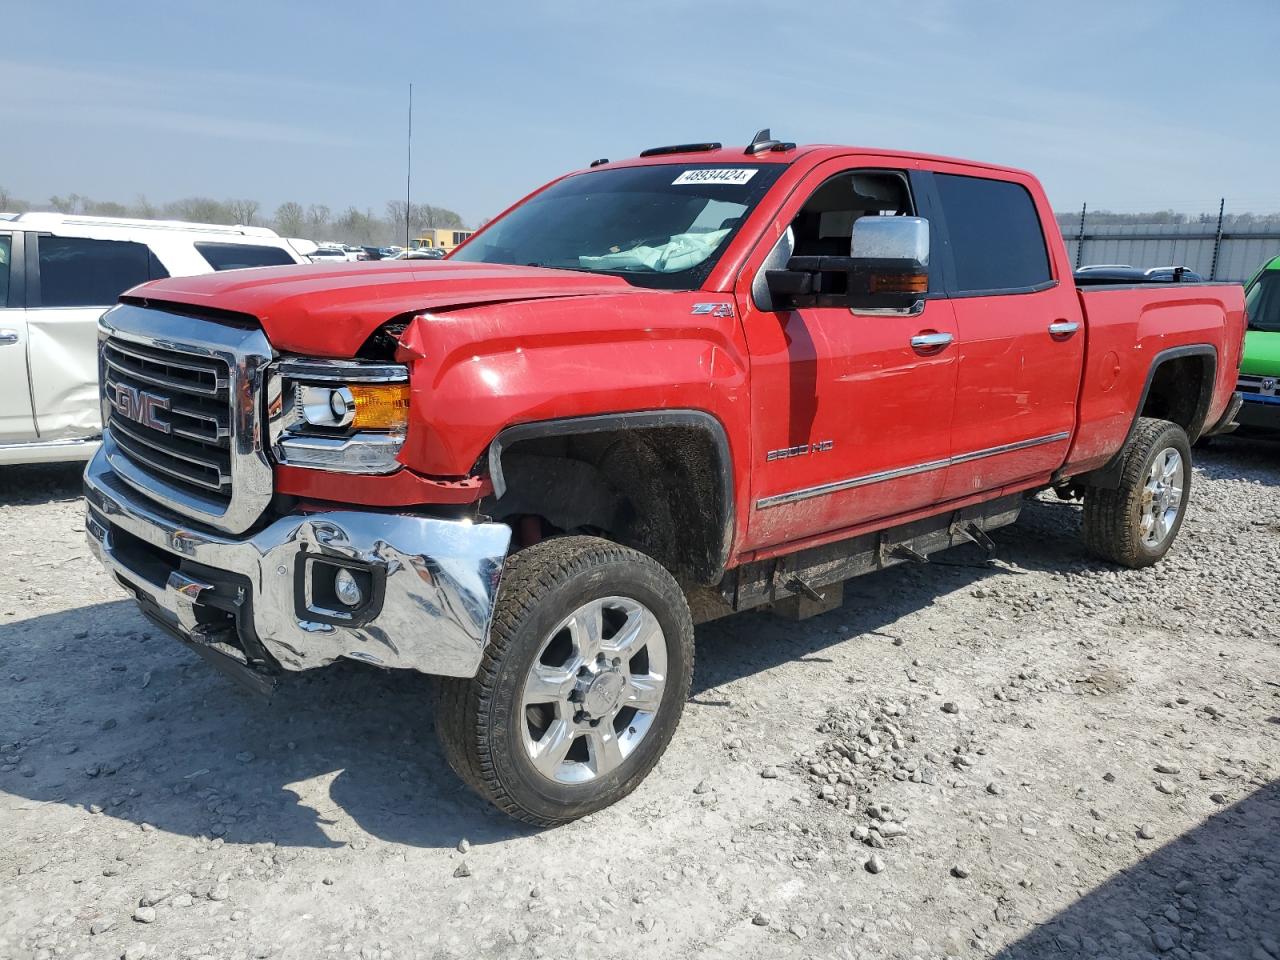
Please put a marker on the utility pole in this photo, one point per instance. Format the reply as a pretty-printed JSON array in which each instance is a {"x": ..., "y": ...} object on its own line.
[
  {"x": 1084, "y": 208},
  {"x": 408, "y": 171},
  {"x": 1217, "y": 239}
]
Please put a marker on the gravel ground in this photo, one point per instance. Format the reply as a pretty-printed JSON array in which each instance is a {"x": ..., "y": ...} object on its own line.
[{"x": 1041, "y": 757}]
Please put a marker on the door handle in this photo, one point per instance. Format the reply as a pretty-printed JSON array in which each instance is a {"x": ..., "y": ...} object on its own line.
[
  {"x": 1063, "y": 328},
  {"x": 8, "y": 338},
  {"x": 931, "y": 341}
]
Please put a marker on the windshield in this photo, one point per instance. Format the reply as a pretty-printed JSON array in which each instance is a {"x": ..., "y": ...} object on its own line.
[
  {"x": 659, "y": 226},
  {"x": 1263, "y": 303}
]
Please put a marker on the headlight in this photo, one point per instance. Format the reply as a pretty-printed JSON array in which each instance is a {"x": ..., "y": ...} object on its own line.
[
  {"x": 358, "y": 406},
  {"x": 338, "y": 415}
]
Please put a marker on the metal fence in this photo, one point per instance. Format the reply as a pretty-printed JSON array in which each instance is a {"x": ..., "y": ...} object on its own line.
[{"x": 1214, "y": 252}]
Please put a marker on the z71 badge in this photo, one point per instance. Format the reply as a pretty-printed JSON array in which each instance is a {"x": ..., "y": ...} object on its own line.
[{"x": 786, "y": 453}]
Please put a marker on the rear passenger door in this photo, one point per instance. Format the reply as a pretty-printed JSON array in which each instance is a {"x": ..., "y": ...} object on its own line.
[
  {"x": 1020, "y": 339},
  {"x": 17, "y": 425},
  {"x": 70, "y": 282}
]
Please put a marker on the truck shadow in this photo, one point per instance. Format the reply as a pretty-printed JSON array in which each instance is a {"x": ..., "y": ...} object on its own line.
[
  {"x": 1046, "y": 537},
  {"x": 99, "y": 710},
  {"x": 1213, "y": 891},
  {"x": 40, "y": 483}
]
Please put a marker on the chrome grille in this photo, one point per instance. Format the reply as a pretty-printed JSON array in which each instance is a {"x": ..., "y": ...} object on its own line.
[
  {"x": 190, "y": 440},
  {"x": 1259, "y": 386},
  {"x": 182, "y": 401}
]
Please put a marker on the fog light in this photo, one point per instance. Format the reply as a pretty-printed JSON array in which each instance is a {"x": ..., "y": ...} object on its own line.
[{"x": 346, "y": 589}]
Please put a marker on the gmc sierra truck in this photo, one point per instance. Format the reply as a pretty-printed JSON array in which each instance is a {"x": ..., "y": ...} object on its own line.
[{"x": 652, "y": 393}]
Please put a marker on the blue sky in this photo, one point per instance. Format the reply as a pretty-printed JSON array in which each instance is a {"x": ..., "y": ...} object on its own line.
[{"x": 1129, "y": 105}]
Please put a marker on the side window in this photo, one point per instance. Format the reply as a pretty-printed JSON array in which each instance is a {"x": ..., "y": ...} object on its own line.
[
  {"x": 75, "y": 272},
  {"x": 6, "y": 257},
  {"x": 233, "y": 256},
  {"x": 996, "y": 239},
  {"x": 825, "y": 223},
  {"x": 155, "y": 267}
]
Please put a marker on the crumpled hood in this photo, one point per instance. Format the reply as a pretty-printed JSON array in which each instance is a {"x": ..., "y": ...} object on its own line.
[{"x": 330, "y": 311}]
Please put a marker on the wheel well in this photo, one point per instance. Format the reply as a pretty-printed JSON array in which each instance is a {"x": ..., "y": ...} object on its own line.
[
  {"x": 1179, "y": 389},
  {"x": 661, "y": 489},
  {"x": 1179, "y": 392}
]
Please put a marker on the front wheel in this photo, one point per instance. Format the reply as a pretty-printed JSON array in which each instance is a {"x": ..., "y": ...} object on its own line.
[
  {"x": 588, "y": 665},
  {"x": 1135, "y": 524}
]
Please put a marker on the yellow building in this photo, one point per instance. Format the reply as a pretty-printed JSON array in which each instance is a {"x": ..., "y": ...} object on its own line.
[{"x": 440, "y": 238}]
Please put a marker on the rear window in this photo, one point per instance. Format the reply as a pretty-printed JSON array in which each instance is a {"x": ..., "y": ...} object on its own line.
[
  {"x": 996, "y": 240},
  {"x": 75, "y": 272},
  {"x": 233, "y": 256}
]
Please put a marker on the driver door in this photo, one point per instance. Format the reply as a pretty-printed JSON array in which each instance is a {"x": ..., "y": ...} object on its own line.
[{"x": 851, "y": 410}]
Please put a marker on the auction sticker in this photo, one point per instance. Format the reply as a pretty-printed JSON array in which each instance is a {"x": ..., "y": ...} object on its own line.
[{"x": 734, "y": 176}]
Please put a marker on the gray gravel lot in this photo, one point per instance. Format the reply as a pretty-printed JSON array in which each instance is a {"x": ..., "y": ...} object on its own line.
[{"x": 1042, "y": 757}]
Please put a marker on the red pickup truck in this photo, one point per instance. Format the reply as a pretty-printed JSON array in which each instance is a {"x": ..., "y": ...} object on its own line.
[{"x": 651, "y": 393}]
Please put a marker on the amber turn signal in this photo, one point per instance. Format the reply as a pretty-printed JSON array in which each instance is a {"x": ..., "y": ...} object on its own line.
[
  {"x": 899, "y": 283},
  {"x": 380, "y": 406}
]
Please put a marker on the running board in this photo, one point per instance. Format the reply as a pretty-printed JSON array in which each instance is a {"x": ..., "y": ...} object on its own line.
[{"x": 800, "y": 577}]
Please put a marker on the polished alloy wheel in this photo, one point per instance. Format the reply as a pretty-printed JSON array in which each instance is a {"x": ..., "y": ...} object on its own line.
[
  {"x": 1162, "y": 496},
  {"x": 594, "y": 689}
]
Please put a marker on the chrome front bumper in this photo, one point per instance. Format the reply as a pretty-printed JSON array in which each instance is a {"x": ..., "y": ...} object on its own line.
[{"x": 435, "y": 581}]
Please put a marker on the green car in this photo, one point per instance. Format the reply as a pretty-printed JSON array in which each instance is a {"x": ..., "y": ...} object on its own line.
[{"x": 1260, "y": 369}]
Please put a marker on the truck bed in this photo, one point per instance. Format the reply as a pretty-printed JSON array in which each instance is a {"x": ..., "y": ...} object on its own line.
[{"x": 1134, "y": 327}]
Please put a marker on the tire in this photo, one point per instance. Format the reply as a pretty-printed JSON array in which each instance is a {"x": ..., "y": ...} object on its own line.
[
  {"x": 503, "y": 729},
  {"x": 1135, "y": 524}
]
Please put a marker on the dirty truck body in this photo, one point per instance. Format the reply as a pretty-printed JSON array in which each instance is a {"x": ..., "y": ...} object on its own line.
[{"x": 651, "y": 393}]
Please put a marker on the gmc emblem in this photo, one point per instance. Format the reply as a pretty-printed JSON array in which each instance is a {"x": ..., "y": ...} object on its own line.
[{"x": 140, "y": 406}]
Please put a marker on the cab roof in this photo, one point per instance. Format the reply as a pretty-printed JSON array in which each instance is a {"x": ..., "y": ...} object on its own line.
[
  {"x": 815, "y": 153},
  {"x": 40, "y": 220}
]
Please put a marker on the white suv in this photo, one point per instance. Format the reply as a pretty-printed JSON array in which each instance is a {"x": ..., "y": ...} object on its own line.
[{"x": 58, "y": 273}]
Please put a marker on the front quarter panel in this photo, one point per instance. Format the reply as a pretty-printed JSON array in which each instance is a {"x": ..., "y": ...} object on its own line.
[{"x": 481, "y": 369}]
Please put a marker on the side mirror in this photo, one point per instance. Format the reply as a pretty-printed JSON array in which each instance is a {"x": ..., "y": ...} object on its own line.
[{"x": 888, "y": 267}]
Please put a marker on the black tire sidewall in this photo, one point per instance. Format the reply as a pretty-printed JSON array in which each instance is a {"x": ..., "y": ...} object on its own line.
[
  {"x": 1172, "y": 437},
  {"x": 637, "y": 580}
]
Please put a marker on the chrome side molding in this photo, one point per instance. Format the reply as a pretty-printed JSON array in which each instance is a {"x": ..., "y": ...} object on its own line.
[{"x": 837, "y": 486}]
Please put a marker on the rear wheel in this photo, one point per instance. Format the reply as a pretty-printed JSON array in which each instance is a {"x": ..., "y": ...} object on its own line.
[
  {"x": 584, "y": 679},
  {"x": 1135, "y": 524}
]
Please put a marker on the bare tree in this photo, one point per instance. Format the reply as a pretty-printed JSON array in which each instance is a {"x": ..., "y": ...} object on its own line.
[
  {"x": 105, "y": 208},
  {"x": 68, "y": 204},
  {"x": 201, "y": 210},
  {"x": 291, "y": 220},
  {"x": 317, "y": 216},
  {"x": 361, "y": 227},
  {"x": 439, "y": 217},
  {"x": 243, "y": 211},
  {"x": 401, "y": 217}
]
